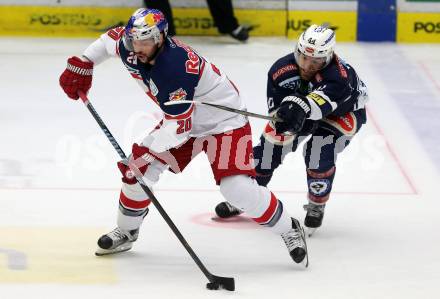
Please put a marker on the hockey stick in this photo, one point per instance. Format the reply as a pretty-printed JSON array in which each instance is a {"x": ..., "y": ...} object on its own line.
[
  {"x": 242, "y": 112},
  {"x": 215, "y": 282}
]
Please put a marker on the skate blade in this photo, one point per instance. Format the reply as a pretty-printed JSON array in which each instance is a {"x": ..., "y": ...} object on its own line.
[
  {"x": 305, "y": 261},
  {"x": 121, "y": 248}
]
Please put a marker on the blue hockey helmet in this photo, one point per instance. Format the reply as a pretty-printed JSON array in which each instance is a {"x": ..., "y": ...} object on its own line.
[{"x": 145, "y": 24}]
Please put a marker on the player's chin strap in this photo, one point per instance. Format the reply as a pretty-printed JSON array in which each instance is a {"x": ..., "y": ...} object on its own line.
[{"x": 215, "y": 282}]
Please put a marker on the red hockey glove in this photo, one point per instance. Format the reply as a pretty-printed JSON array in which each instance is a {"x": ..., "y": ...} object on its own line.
[
  {"x": 77, "y": 76},
  {"x": 127, "y": 175},
  {"x": 141, "y": 158}
]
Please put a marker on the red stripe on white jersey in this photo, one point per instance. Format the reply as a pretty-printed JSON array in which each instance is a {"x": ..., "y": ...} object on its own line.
[
  {"x": 270, "y": 211},
  {"x": 235, "y": 87},
  {"x": 136, "y": 76},
  {"x": 202, "y": 68}
]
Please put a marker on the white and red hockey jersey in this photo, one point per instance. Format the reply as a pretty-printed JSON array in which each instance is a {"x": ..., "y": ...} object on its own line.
[{"x": 179, "y": 73}]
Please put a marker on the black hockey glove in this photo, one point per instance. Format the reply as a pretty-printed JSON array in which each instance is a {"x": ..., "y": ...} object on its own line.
[{"x": 294, "y": 110}]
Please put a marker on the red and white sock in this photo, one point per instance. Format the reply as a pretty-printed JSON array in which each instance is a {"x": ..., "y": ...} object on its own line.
[{"x": 132, "y": 206}]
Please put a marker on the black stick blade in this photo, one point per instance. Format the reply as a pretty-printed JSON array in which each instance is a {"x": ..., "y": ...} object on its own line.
[{"x": 217, "y": 282}]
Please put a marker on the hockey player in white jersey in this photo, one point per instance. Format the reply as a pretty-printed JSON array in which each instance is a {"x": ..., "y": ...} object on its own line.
[{"x": 169, "y": 70}]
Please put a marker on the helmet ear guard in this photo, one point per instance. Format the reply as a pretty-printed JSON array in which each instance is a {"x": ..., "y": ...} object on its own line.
[{"x": 316, "y": 41}]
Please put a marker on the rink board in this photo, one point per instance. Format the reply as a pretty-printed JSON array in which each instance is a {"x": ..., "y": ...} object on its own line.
[
  {"x": 92, "y": 21},
  {"x": 343, "y": 22},
  {"x": 418, "y": 27}
]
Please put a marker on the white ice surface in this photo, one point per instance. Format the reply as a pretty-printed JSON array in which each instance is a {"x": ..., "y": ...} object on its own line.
[{"x": 59, "y": 188}]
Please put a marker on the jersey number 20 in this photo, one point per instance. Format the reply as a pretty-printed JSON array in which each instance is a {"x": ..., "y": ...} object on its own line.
[{"x": 184, "y": 125}]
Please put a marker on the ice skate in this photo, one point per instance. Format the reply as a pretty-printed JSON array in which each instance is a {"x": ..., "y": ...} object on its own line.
[
  {"x": 313, "y": 220},
  {"x": 296, "y": 243},
  {"x": 116, "y": 241},
  {"x": 226, "y": 210}
]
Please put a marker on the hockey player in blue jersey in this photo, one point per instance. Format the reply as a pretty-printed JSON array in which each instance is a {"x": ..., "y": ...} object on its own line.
[
  {"x": 317, "y": 94},
  {"x": 168, "y": 70}
]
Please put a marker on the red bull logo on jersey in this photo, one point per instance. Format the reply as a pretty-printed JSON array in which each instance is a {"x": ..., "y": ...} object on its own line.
[{"x": 178, "y": 95}]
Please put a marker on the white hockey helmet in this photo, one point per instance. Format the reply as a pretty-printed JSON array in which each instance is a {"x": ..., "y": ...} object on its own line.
[
  {"x": 145, "y": 24},
  {"x": 316, "y": 41}
]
